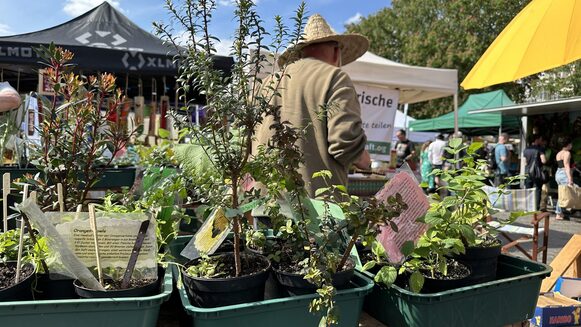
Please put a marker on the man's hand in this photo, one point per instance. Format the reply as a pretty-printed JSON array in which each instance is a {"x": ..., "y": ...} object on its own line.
[{"x": 364, "y": 161}]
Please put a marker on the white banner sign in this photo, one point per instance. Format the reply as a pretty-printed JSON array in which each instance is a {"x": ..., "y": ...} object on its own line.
[{"x": 378, "y": 108}]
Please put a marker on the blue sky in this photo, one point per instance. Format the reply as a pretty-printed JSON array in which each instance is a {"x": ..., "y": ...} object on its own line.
[{"x": 26, "y": 16}]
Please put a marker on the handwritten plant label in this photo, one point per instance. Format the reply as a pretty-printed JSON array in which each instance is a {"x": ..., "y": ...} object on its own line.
[
  {"x": 408, "y": 229},
  {"x": 209, "y": 237}
]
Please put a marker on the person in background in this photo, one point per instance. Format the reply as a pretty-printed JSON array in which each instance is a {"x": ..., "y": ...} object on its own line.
[
  {"x": 502, "y": 160},
  {"x": 563, "y": 176},
  {"x": 404, "y": 149},
  {"x": 313, "y": 81},
  {"x": 426, "y": 168},
  {"x": 436, "y": 155},
  {"x": 535, "y": 157},
  {"x": 482, "y": 152}
]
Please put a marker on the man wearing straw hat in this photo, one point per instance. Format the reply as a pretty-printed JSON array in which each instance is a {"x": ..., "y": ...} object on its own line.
[{"x": 315, "y": 93}]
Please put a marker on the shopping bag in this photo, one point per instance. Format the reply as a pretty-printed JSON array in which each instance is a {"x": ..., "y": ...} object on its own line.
[{"x": 570, "y": 196}]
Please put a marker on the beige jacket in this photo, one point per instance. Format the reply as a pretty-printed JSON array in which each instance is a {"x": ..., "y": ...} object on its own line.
[{"x": 333, "y": 142}]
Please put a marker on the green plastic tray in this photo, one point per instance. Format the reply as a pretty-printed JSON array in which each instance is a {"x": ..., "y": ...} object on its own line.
[
  {"x": 283, "y": 312},
  {"x": 131, "y": 311},
  {"x": 511, "y": 298},
  {"x": 116, "y": 178},
  {"x": 112, "y": 177}
]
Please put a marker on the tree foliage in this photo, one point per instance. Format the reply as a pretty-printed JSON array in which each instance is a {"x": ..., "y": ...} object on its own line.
[{"x": 441, "y": 34}]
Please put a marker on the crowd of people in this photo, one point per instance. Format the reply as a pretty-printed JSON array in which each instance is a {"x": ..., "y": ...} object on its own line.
[{"x": 539, "y": 162}]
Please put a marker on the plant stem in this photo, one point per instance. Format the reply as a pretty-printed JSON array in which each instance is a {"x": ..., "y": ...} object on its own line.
[
  {"x": 236, "y": 226},
  {"x": 347, "y": 252},
  {"x": 34, "y": 241}
]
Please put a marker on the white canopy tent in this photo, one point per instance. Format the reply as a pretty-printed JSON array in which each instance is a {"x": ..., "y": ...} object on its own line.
[
  {"x": 416, "y": 84},
  {"x": 402, "y": 122}
]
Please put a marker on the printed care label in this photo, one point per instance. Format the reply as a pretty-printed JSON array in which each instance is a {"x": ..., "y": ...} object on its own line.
[{"x": 116, "y": 238}]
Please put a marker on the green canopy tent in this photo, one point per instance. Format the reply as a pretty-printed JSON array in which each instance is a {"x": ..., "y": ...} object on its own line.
[{"x": 481, "y": 124}]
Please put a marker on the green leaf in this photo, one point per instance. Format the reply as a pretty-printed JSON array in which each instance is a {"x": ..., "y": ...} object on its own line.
[
  {"x": 433, "y": 219},
  {"x": 377, "y": 249},
  {"x": 468, "y": 233},
  {"x": 416, "y": 281},
  {"x": 455, "y": 143},
  {"x": 163, "y": 133},
  {"x": 231, "y": 213},
  {"x": 386, "y": 275},
  {"x": 393, "y": 226},
  {"x": 474, "y": 147},
  {"x": 320, "y": 191},
  {"x": 407, "y": 248},
  {"x": 326, "y": 174},
  {"x": 368, "y": 265},
  {"x": 341, "y": 188}
]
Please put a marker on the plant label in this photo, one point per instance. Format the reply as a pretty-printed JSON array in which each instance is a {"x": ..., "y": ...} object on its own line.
[
  {"x": 116, "y": 234},
  {"x": 209, "y": 237},
  {"x": 408, "y": 229}
]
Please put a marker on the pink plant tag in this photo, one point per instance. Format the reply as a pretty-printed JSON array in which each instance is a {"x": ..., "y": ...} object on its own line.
[{"x": 408, "y": 228}]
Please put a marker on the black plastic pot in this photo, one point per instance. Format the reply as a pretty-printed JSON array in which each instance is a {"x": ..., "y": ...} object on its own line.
[
  {"x": 434, "y": 285},
  {"x": 146, "y": 290},
  {"x": 296, "y": 284},
  {"x": 58, "y": 287},
  {"x": 272, "y": 288},
  {"x": 483, "y": 262},
  {"x": 20, "y": 291},
  {"x": 216, "y": 292}
]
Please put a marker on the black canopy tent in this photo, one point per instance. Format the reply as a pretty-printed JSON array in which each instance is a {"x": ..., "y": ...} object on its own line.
[{"x": 102, "y": 40}]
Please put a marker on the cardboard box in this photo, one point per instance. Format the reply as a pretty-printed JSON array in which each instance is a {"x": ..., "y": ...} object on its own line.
[
  {"x": 569, "y": 287},
  {"x": 554, "y": 309}
]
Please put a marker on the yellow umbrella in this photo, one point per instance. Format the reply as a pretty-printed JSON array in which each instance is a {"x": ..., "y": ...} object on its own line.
[{"x": 544, "y": 35}]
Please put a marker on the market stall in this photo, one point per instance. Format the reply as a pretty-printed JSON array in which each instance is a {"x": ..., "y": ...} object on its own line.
[
  {"x": 481, "y": 124},
  {"x": 103, "y": 40}
]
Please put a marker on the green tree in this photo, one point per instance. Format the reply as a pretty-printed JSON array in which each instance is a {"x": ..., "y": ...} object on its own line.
[
  {"x": 560, "y": 82},
  {"x": 441, "y": 34}
]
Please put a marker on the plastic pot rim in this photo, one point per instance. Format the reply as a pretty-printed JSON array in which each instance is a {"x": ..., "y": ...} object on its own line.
[
  {"x": 428, "y": 296},
  {"x": 238, "y": 279},
  {"x": 364, "y": 289},
  {"x": 167, "y": 283}
]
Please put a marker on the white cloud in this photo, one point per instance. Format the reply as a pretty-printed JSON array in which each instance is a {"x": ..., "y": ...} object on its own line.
[
  {"x": 222, "y": 48},
  {"x": 77, "y": 7},
  {"x": 5, "y": 29},
  {"x": 354, "y": 19}
]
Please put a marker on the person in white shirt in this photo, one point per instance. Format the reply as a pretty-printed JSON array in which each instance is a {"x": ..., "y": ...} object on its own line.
[{"x": 436, "y": 153}]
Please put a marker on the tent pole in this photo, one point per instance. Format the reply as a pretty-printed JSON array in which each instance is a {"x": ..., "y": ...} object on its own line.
[
  {"x": 126, "y": 83},
  {"x": 405, "y": 118},
  {"x": 456, "y": 128},
  {"x": 523, "y": 144},
  {"x": 18, "y": 81}
]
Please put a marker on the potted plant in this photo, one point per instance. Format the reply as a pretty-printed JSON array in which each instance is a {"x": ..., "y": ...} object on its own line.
[
  {"x": 456, "y": 222},
  {"x": 234, "y": 107},
  {"x": 465, "y": 213},
  {"x": 77, "y": 143},
  {"x": 10, "y": 288}
]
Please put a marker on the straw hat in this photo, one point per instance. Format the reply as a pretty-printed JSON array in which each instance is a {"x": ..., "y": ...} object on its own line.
[{"x": 318, "y": 30}]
